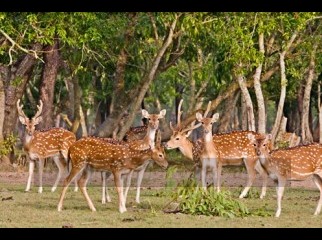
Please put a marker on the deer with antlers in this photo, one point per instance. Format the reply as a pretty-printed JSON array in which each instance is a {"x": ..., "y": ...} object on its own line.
[
  {"x": 42, "y": 144},
  {"x": 296, "y": 163},
  {"x": 93, "y": 153},
  {"x": 143, "y": 144},
  {"x": 234, "y": 149}
]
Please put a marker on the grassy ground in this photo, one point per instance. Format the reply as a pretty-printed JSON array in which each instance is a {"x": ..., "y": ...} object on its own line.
[{"x": 21, "y": 209}]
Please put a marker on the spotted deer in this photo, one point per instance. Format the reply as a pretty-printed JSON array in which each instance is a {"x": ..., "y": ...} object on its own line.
[
  {"x": 43, "y": 144},
  {"x": 93, "y": 153},
  {"x": 145, "y": 143},
  {"x": 209, "y": 154},
  {"x": 296, "y": 163},
  {"x": 234, "y": 149}
]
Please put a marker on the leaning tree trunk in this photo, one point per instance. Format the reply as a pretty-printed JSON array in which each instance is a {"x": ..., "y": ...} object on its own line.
[
  {"x": 47, "y": 86},
  {"x": 149, "y": 77},
  {"x": 19, "y": 72},
  {"x": 258, "y": 90},
  {"x": 306, "y": 132},
  {"x": 280, "y": 108},
  {"x": 120, "y": 99},
  {"x": 249, "y": 103}
]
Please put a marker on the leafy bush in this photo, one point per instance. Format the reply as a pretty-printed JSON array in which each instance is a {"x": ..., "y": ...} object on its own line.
[
  {"x": 192, "y": 199},
  {"x": 7, "y": 145}
]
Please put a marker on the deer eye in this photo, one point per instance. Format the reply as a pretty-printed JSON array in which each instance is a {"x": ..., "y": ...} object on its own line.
[
  {"x": 202, "y": 123},
  {"x": 177, "y": 138},
  {"x": 149, "y": 119},
  {"x": 160, "y": 155},
  {"x": 255, "y": 144},
  {"x": 211, "y": 123},
  {"x": 264, "y": 145}
]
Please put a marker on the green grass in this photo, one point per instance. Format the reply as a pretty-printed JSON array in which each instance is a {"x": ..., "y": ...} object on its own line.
[{"x": 22, "y": 209}]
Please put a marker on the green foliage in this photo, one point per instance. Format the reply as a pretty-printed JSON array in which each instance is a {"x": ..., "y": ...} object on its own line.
[
  {"x": 194, "y": 200},
  {"x": 7, "y": 145}
]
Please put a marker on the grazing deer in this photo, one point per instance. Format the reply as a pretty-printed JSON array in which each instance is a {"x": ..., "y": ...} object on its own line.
[
  {"x": 42, "y": 144},
  {"x": 234, "y": 149},
  {"x": 296, "y": 163},
  {"x": 92, "y": 153},
  {"x": 145, "y": 143}
]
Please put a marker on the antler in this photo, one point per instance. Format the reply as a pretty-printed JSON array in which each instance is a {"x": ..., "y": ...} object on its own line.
[
  {"x": 20, "y": 111},
  {"x": 191, "y": 127},
  {"x": 39, "y": 110},
  {"x": 207, "y": 110},
  {"x": 179, "y": 114}
]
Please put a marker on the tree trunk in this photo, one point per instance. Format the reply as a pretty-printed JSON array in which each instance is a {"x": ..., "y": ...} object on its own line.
[
  {"x": 248, "y": 101},
  {"x": 77, "y": 104},
  {"x": 230, "y": 91},
  {"x": 149, "y": 78},
  {"x": 258, "y": 90},
  {"x": 228, "y": 115},
  {"x": 280, "y": 108},
  {"x": 243, "y": 117},
  {"x": 120, "y": 100},
  {"x": 19, "y": 72},
  {"x": 47, "y": 86},
  {"x": 306, "y": 132},
  {"x": 2, "y": 105}
]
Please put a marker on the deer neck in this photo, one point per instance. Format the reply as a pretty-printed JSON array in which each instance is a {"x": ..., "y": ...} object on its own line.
[
  {"x": 186, "y": 149},
  {"x": 150, "y": 137},
  {"x": 27, "y": 141},
  {"x": 208, "y": 141},
  {"x": 140, "y": 156}
]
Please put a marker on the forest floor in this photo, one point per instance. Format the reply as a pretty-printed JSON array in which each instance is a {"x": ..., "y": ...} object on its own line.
[{"x": 31, "y": 209}]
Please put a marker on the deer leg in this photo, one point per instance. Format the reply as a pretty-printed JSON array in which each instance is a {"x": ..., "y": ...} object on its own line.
[
  {"x": 139, "y": 182},
  {"x": 204, "y": 175},
  {"x": 318, "y": 182},
  {"x": 41, "y": 169},
  {"x": 105, "y": 196},
  {"x": 280, "y": 191},
  {"x": 119, "y": 189},
  {"x": 61, "y": 168},
  {"x": 128, "y": 183},
  {"x": 264, "y": 176},
  {"x": 31, "y": 172},
  {"x": 65, "y": 155},
  {"x": 219, "y": 169},
  {"x": 82, "y": 182},
  {"x": 249, "y": 163},
  {"x": 197, "y": 173},
  {"x": 72, "y": 175}
]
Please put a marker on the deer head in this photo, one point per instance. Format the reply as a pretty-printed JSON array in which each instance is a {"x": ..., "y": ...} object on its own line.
[
  {"x": 30, "y": 123},
  {"x": 158, "y": 154},
  {"x": 154, "y": 118},
  {"x": 180, "y": 134},
  {"x": 207, "y": 122}
]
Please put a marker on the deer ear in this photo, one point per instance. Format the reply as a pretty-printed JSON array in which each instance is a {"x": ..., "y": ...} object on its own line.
[
  {"x": 162, "y": 113},
  {"x": 37, "y": 120},
  {"x": 215, "y": 117},
  {"x": 145, "y": 113},
  {"x": 199, "y": 116},
  {"x": 22, "y": 120}
]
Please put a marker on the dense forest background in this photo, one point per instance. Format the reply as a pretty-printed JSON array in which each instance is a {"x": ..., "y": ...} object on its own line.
[{"x": 95, "y": 71}]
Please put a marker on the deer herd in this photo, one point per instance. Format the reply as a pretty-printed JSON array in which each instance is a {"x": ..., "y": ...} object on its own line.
[{"x": 209, "y": 153}]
